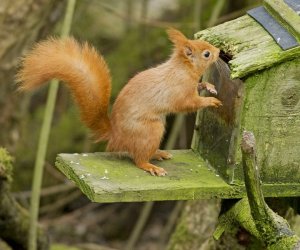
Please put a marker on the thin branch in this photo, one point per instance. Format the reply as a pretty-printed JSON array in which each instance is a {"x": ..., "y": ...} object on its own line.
[
  {"x": 72, "y": 215},
  {"x": 43, "y": 141},
  {"x": 154, "y": 23},
  {"x": 165, "y": 234},
  {"x": 139, "y": 225},
  {"x": 54, "y": 172},
  {"x": 216, "y": 13},
  {"x": 63, "y": 201},
  {"x": 47, "y": 191}
]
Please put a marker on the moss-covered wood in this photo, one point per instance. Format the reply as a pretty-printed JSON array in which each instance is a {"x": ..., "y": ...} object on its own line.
[
  {"x": 273, "y": 230},
  {"x": 272, "y": 111},
  {"x": 269, "y": 105},
  {"x": 14, "y": 219},
  {"x": 105, "y": 177},
  {"x": 253, "y": 213},
  {"x": 251, "y": 47}
]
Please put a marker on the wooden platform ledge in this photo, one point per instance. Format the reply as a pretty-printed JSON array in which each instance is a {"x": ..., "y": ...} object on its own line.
[{"x": 104, "y": 177}]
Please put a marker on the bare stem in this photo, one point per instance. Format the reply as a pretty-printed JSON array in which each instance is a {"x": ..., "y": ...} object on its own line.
[{"x": 43, "y": 140}]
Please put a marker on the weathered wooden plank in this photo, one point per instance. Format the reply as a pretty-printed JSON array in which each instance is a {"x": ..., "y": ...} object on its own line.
[
  {"x": 104, "y": 177},
  {"x": 251, "y": 47},
  {"x": 285, "y": 15}
]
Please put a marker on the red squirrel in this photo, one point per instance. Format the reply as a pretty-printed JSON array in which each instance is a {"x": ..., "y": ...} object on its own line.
[{"x": 137, "y": 121}]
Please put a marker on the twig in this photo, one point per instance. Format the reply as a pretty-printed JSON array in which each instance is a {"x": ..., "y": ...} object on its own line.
[
  {"x": 54, "y": 172},
  {"x": 61, "y": 202},
  {"x": 197, "y": 15},
  {"x": 72, "y": 215},
  {"x": 177, "y": 125},
  {"x": 46, "y": 191},
  {"x": 105, "y": 213},
  {"x": 148, "y": 22},
  {"x": 139, "y": 225},
  {"x": 216, "y": 13},
  {"x": 235, "y": 14},
  {"x": 43, "y": 141},
  {"x": 171, "y": 222},
  {"x": 91, "y": 246}
]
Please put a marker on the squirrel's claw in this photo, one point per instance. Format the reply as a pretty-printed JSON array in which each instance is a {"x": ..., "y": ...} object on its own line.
[
  {"x": 208, "y": 86},
  {"x": 152, "y": 169},
  {"x": 213, "y": 102}
]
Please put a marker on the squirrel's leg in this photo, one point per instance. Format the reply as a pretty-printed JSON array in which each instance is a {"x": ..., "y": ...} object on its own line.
[
  {"x": 141, "y": 159},
  {"x": 161, "y": 155},
  {"x": 146, "y": 145}
]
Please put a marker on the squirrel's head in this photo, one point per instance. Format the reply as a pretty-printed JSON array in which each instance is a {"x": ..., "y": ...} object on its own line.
[{"x": 197, "y": 53}]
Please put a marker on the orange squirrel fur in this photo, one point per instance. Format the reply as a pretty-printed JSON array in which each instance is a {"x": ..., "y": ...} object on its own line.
[{"x": 136, "y": 124}]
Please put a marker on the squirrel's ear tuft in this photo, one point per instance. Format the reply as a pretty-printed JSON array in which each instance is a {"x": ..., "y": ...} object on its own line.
[{"x": 176, "y": 37}]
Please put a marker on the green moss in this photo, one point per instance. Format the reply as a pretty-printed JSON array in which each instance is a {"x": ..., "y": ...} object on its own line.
[
  {"x": 63, "y": 247},
  {"x": 6, "y": 167},
  {"x": 272, "y": 112},
  {"x": 104, "y": 177},
  {"x": 285, "y": 244}
]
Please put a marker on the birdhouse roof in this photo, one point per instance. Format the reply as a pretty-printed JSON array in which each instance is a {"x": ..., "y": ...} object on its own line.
[{"x": 249, "y": 45}]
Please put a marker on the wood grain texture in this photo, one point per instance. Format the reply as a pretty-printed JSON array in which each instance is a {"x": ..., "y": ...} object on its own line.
[
  {"x": 285, "y": 15},
  {"x": 251, "y": 47},
  {"x": 272, "y": 112}
]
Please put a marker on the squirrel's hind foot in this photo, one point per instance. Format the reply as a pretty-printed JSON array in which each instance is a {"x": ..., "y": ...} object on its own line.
[{"x": 152, "y": 169}]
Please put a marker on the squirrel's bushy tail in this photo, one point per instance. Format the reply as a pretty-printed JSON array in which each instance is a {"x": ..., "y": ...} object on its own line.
[{"x": 82, "y": 69}]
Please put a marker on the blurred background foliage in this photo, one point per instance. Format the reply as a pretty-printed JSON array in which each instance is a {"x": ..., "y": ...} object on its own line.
[{"x": 131, "y": 36}]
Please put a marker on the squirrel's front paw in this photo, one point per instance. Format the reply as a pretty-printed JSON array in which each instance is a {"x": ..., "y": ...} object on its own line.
[
  {"x": 208, "y": 86},
  {"x": 213, "y": 102}
]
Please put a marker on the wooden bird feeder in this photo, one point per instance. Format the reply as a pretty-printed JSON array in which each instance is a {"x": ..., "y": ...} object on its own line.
[{"x": 259, "y": 85}]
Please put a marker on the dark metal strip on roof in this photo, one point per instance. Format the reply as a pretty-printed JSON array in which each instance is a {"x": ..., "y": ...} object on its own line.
[
  {"x": 294, "y": 4},
  {"x": 282, "y": 37}
]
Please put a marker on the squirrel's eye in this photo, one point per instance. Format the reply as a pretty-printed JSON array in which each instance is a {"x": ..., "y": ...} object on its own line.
[{"x": 206, "y": 54}]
